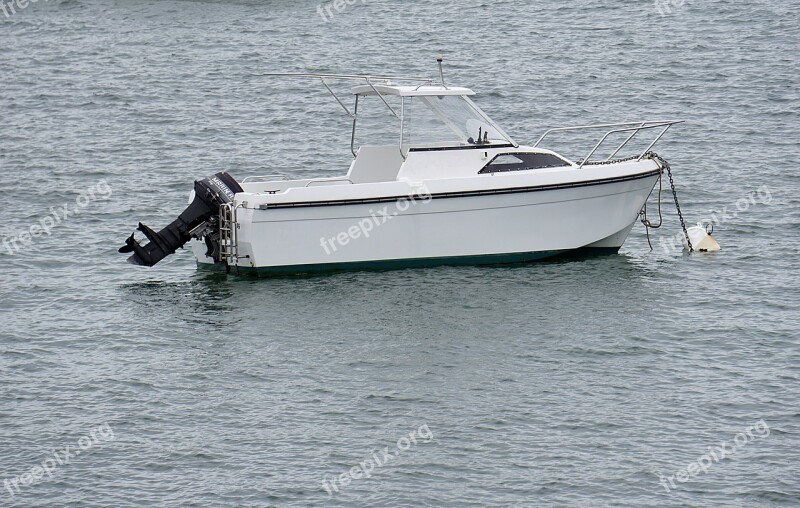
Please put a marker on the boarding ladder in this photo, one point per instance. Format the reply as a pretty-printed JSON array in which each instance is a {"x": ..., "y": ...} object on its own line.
[{"x": 228, "y": 241}]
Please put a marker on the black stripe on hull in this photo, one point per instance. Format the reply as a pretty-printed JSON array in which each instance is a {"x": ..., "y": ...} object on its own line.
[{"x": 463, "y": 194}]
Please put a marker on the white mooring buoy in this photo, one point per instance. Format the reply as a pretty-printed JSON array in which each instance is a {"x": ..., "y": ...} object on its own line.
[{"x": 701, "y": 238}]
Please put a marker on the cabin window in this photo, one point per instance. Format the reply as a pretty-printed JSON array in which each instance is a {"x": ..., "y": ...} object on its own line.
[{"x": 523, "y": 161}]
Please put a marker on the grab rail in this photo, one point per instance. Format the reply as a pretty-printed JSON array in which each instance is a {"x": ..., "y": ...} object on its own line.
[
  {"x": 637, "y": 126},
  {"x": 319, "y": 180},
  {"x": 261, "y": 177}
]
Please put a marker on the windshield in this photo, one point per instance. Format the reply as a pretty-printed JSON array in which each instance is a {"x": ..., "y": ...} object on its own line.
[{"x": 447, "y": 121}]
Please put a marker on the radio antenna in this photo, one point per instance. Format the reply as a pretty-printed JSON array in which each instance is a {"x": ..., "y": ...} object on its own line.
[{"x": 441, "y": 70}]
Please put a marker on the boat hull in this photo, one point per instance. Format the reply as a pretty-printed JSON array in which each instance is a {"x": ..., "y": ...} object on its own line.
[{"x": 501, "y": 226}]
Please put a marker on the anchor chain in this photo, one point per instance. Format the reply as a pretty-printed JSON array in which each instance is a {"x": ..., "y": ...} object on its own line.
[
  {"x": 610, "y": 161},
  {"x": 665, "y": 165}
]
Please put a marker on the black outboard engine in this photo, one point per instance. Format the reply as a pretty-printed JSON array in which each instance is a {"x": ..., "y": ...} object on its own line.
[{"x": 201, "y": 218}]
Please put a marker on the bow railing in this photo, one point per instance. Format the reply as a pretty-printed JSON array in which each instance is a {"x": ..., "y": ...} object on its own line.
[{"x": 633, "y": 127}]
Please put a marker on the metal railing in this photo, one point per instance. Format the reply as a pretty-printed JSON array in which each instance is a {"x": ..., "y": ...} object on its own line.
[
  {"x": 633, "y": 127},
  {"x": 369, "y": 80}
]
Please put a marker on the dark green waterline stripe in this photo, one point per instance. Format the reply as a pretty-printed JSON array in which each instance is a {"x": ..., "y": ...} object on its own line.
[{"x": 393, "y": 264}]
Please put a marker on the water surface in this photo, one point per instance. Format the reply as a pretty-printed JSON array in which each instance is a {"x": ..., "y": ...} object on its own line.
[{"x": 561, "y": 383}]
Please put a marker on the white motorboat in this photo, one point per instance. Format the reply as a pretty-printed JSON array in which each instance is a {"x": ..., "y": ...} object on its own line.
[{"x": 453, "y": 189}]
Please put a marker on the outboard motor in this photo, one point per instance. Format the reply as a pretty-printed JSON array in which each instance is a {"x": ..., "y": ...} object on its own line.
[{"x": 200, "y": 219}]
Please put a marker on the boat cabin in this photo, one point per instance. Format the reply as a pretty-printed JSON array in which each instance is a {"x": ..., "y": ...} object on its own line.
[
  {"x": 435, "y": 121},
  {"x": 441, "y": 133}
]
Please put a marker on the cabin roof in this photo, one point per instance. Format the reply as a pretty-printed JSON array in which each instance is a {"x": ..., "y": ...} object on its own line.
[{"x": 411, "y": 91}]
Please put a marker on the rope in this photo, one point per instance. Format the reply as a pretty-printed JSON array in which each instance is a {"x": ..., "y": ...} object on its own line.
[
  {"x": 663, "y": 164},
  {"x": 643, "y": 213}
]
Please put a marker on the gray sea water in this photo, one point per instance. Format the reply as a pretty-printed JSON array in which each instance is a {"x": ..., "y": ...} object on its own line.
[{"x": 638, "y": 379}]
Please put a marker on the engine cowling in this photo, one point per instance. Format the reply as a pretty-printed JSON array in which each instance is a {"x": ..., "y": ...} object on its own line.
[{"x": 201, "y": 215}]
